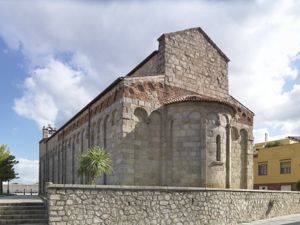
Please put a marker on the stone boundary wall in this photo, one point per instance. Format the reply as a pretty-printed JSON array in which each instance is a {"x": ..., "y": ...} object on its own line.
[{"x": 132, "y": 205}]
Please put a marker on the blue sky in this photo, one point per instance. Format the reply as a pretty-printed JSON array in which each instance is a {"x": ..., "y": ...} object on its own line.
[
  {"x": 55, "y": 56},
  {"x": 20, "y": 134}
]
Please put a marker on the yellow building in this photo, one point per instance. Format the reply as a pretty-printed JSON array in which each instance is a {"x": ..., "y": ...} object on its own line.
[{"x": 276, "y": 164}]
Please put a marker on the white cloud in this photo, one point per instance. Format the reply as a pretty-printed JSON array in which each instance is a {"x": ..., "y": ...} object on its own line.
[
  {"x": 260, "y": 135},
  {"x": 90, "y": 43},
  {"x": 28, "y": 171},
  {"x": 52, "y": 92}
]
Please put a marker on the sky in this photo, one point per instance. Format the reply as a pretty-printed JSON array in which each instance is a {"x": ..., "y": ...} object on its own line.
[{"x": 55, "y": 56}]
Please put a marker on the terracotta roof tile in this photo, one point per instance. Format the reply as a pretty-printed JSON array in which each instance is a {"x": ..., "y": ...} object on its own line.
[{"x": 197, "y": 98}]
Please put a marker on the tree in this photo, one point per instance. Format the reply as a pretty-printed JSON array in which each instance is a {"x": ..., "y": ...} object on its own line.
[
  {"x": 94, "y": 163},
  {"x": 4, "y": 153},
  {"x": 9, "y": 171},
  {"x": 7, "y": 163}
]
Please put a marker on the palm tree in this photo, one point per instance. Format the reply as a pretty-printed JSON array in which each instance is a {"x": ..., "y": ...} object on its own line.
[{"x": 94, "y": 163}]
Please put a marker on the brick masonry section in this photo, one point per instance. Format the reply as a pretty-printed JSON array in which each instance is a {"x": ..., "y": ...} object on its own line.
[{"x": 80, "y": 204}]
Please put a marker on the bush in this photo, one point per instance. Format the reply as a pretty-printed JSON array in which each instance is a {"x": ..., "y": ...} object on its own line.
[
  {"x": 272, "y": 144},
  {"x": 94, "y": 163}
]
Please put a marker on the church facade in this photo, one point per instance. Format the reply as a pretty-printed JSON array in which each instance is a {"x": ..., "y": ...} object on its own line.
[{"x": 168, "y": 122}]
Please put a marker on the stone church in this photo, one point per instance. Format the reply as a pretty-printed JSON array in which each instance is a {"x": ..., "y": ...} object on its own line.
[{"x": 169, "y": 122}]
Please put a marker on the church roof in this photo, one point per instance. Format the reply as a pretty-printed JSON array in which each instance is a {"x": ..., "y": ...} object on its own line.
[
  {"x": 142, "y": 63},
  {"x": 197, "y": 98}
]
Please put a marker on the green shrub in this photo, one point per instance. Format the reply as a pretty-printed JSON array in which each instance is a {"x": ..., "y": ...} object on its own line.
[
  {"x": 272, "y": 144},
  {"x": 94, "y": 163}
]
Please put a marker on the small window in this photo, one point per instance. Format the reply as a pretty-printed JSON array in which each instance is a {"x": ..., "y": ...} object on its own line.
[
  {"x": 263, "y": 187},
  {"x": 285, "y": 167},
  {"x": 218, "y": 150},
  {"x": 262, "y": 169}
]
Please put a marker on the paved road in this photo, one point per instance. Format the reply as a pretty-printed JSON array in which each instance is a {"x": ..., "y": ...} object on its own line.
[{"x": 287, "y": 220}]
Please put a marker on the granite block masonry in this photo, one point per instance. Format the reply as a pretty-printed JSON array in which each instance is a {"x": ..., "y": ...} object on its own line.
[
  {"x": 137, "y": 205},
  {"x": 169, "y": 122}
]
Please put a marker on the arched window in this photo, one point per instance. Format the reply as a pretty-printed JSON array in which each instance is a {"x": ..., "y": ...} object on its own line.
[
  {"x": 243, "y": 157},
  {"x": 98, "y": 131},
  {"x": 53, "y": 161},
  {"x": 59, "y": 165},
  {"x": 141, "y": 115},
  {"x": 113, "y": 117},
  {"x": 218, "y": 150},
  {"x": 92, "y": 138},
  {"x": 81, "y": 141},
  {"x": 105, "y": 137},
  {"x": 82, "y": 149},
  {"x": 73, "y": 161},
  {"x": 92, "y": 135},
  {"x": 105, "y": 127}
]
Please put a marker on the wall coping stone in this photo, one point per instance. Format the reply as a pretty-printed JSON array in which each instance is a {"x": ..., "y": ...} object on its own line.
[
  {"x": 160, "y": 188},
  {"x": 149, "y": 77}
]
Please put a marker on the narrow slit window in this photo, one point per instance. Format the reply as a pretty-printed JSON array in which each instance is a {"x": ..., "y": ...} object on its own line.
[{"x": 218, "y": 150}]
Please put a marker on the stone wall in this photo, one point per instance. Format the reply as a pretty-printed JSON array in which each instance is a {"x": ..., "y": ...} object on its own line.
[
  {"x": 126, "y": 205},
  {"x": 194, "y": 128},
  {"x": 99, "y": 124},
  {"x": 192, "y": 61}
]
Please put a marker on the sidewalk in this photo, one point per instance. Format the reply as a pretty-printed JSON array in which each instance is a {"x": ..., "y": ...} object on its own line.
[
  {"x": 20, "y": 199},
  {"x": 287, "y": 220}
]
